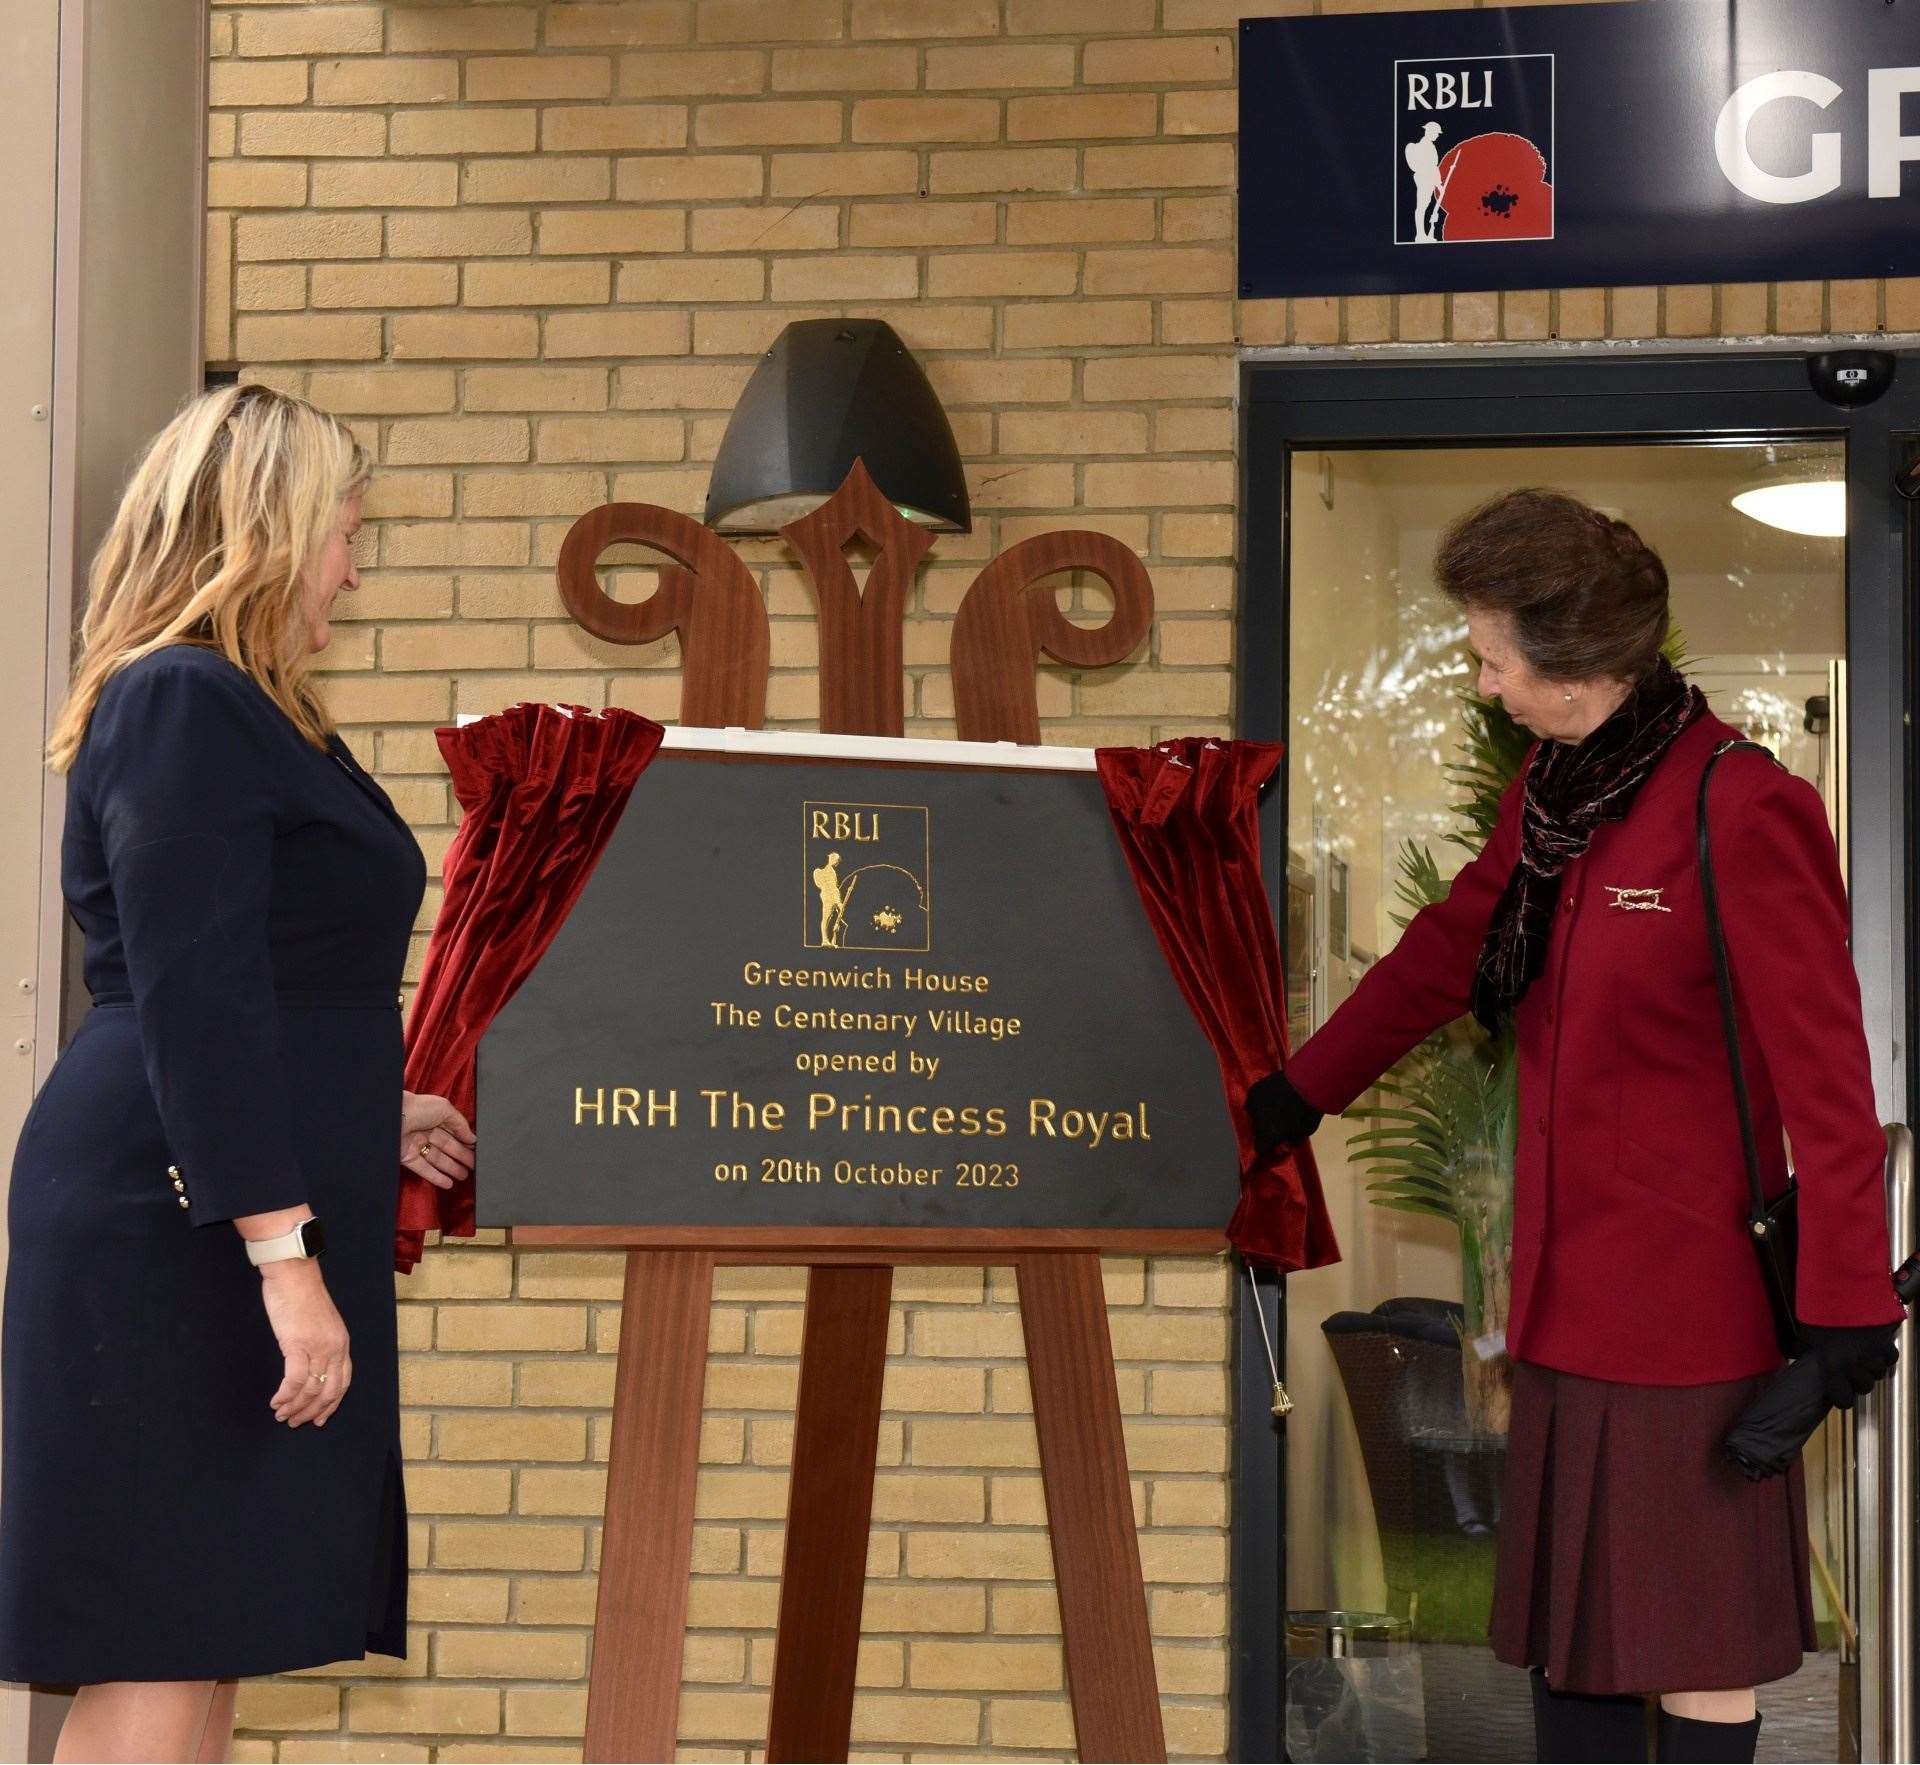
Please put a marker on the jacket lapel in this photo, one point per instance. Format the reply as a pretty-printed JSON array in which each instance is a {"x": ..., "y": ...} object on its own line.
[{"x": 343, "y": 758}]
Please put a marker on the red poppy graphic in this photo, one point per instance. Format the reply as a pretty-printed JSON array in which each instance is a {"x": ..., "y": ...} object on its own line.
[{"x": 1495, "y": 186}]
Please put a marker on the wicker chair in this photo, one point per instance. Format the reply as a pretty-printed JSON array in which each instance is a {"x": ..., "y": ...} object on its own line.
[{"x": 1435, "y": 1482}]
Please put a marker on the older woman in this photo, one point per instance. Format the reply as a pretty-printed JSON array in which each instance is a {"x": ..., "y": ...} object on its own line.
[
  {"x": 202, "y": 1471},
  {"x": 1634, "y": 1558}
]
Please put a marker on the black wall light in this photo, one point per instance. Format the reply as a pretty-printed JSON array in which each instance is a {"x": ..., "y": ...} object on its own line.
[{"x": 829, "y": 392}]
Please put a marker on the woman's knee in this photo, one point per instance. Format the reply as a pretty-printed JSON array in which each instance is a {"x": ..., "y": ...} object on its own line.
[
  {"x": 136, "y": 1719},
  {"x": 1710, "y": 1706}
]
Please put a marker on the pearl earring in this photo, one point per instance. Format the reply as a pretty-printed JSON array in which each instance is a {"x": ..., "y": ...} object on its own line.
[{"x": 1569, "y": 698}]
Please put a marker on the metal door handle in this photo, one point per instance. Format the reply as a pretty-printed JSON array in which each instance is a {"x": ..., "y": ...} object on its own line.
[{"x": 1884, "y": 1519}]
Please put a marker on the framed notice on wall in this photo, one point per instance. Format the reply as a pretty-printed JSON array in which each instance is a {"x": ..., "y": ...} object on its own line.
[{"x": 835, "y": 986}]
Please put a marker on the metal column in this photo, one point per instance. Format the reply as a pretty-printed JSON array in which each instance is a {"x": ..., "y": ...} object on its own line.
[{"x": 1884, "y": 1519}]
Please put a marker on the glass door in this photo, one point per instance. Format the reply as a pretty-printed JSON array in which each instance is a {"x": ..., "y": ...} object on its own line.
[
  {"x": 1785, "y": 543},
  {"x": 1397, "y": 1366}
]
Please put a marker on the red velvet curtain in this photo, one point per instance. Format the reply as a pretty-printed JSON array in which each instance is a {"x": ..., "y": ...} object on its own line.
[
  {"x": 541, "y": 788},
  {"x": 1186, "y": 812}
]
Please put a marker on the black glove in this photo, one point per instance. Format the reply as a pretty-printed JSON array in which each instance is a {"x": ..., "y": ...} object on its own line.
[
  {"x": 1280, "y": 1115},
  {"x": 1852, "y": 1357}
]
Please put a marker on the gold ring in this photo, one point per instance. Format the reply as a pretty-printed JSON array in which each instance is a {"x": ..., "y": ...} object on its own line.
[{"x": 321, "y": 1377}]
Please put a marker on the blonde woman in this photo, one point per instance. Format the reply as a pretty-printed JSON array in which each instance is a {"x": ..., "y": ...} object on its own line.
[{"x": 202, "y": 1469}]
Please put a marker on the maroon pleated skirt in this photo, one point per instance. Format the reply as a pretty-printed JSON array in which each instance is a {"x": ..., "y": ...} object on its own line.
[{"x": 1634, "y": 1556}]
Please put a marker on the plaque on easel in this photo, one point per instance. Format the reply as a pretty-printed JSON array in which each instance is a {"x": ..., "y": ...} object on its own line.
[{"x": 848, "y": 1004}]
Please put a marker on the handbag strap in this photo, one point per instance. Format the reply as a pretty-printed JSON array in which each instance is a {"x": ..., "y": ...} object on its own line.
[{"x": 1723, "y": 975}]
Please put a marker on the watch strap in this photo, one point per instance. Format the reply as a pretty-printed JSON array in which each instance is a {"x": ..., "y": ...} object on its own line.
[{"x": 305, "y": 1240}]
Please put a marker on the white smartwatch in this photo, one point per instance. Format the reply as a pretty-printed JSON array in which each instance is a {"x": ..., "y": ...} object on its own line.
[{"x": 306, "y": 1239}]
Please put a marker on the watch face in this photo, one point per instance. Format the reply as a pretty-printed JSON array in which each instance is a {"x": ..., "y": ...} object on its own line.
[{"x": 312, "y": 1239}]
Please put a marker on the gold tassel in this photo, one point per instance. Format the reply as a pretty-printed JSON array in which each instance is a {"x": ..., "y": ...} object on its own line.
[{"x": 1282, "y": 1403}]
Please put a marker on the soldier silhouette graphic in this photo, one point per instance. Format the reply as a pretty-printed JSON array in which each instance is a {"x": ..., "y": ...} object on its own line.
[{"x": 1423, "y": 160}]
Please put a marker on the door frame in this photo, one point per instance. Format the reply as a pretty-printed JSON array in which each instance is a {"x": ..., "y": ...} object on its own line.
[{"x": 1584, "y": 396}]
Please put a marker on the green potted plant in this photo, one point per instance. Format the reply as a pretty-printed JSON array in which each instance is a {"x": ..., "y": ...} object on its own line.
[{"x": 1443, "y": 1143}]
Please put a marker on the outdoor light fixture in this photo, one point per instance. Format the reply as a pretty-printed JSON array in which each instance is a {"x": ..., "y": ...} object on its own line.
[
  {"x": 1798, "y": 495},
  {"x": 829, "y": 392}
]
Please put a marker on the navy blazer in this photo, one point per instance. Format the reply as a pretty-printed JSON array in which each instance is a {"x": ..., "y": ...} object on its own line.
[{"x": 246, "y": 899}]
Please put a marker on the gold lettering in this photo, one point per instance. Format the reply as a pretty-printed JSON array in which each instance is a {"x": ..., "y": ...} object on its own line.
[
  {"x": 626, "y": 1101},
  {"x": 581, "y": 1105},
  {"x": 743, "y": 1114},
  {"x": 669, "y": 1107},
  {"x": 859, "y": 828}
]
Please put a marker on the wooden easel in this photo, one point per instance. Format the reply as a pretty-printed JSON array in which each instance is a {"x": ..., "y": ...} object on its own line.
[{"x": 1008, "y": 617}]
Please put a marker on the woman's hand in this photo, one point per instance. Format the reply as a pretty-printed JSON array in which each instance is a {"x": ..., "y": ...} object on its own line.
[
  {"x": 313, "y": 1338},
  {"x": 435, "y": 1140},
  {"x": 1852, "y": 1358},
  {"x": 1279, "y": 1115}
]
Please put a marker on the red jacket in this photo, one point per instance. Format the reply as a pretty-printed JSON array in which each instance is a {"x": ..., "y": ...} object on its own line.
[{"x": 1631, "y": 1257}]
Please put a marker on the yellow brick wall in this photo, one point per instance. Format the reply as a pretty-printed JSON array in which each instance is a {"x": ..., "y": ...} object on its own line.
[{"x": 532, "y": 252}]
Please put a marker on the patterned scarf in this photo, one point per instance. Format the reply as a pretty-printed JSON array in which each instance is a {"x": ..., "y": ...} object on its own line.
[{"x": 1570, "y": 789}]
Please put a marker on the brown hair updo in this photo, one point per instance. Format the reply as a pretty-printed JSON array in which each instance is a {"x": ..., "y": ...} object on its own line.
[{"x": 1588, "y": 595}]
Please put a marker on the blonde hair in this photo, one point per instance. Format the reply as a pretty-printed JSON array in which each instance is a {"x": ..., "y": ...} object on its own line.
[{"x": 230, "y": 504}]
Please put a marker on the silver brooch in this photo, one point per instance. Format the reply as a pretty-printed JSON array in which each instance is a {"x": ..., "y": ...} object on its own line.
[{"x": 1636, "y": 900}]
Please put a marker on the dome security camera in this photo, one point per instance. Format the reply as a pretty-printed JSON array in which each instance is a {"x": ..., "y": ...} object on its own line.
[{"x": 1850, "y": 377}]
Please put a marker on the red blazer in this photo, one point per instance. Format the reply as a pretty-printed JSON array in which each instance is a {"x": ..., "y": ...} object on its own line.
[{"x": 1631, "y": 1257}]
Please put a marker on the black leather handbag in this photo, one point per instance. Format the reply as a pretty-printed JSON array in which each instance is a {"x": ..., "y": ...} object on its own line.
[{"x": 1774, "y": 1224}]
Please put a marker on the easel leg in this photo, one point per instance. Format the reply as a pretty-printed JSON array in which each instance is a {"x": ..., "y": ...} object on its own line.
[
  {"x": 843, "y": 1360},
  {"x": 646, "y": 1551},
  {"x": 1083, "y": 1465}
]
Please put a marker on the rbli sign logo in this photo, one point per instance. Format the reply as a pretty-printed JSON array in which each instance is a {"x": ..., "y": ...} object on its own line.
[{"x": 1473, "y": 149}]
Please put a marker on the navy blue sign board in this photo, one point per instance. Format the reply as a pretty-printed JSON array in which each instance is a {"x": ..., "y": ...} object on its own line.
[
  {"x": 806, "y": 991},
  {"x": 1646, "y": 141}
]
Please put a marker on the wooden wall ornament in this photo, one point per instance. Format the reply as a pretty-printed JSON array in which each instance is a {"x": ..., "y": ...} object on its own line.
[
  {"x": 1009, "y": 617},
  {"x": 1006, "y": 621},
  {"x": 862, "y": 676},
  {"x": 707, "y": 595}
]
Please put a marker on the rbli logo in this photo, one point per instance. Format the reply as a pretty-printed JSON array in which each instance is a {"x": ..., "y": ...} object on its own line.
[{"x": 1473, "y": 149}]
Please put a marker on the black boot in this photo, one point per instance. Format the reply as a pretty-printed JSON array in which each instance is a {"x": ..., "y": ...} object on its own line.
[
  {"x": 1572, "y": 1728},
  {"x": 1682, "y": 1738}
]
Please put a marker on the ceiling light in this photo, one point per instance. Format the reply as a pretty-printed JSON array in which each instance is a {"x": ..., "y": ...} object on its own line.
[{"x": 1804, "y": 503}]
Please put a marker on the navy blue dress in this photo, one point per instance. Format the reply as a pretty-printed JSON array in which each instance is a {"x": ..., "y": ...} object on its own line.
[{"x": 246, "y": 901}]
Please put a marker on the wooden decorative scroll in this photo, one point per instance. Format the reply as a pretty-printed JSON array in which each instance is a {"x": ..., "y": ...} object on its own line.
[
  {"x": 862, "y": 679},
  {"x": 1009, "y": 616},
  {"x": 708, "y": 595},
  {"x": 1007, "y": 621}
]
